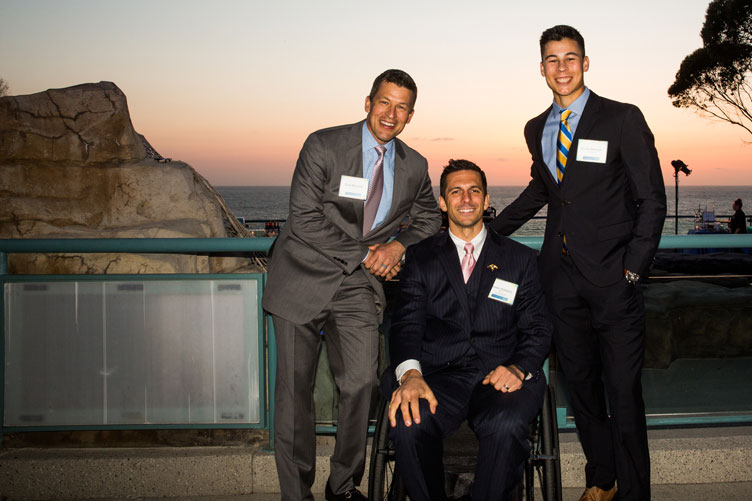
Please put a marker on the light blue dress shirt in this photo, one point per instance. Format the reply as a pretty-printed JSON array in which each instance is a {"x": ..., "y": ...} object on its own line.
[
  {"x": 551, "y": 129},
  {"x": 370, "y": 155}
]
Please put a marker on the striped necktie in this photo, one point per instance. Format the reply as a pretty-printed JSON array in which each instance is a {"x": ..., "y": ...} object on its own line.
[
  {"x": 563, "y": 144},
  {"x": 375, "y": 187}
]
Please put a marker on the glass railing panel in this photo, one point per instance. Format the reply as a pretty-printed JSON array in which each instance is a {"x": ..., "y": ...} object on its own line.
[{"x": 98, "y": 352}]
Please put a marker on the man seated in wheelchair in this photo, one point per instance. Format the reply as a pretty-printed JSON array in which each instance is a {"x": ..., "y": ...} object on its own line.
[{"x": 469, "y": 335}]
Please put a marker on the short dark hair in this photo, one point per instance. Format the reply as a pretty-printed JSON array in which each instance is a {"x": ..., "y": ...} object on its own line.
[
  {"x": 738, "y": 202},
  {"x": 458, "y": 165},
  {"x": 558, "y": 33},
  {"x": 397, "y": 77}
]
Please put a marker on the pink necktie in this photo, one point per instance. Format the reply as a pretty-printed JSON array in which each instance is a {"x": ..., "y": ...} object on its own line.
[
  {"x": 375, "y": 187},
  {"x": 468, "y": 262}
]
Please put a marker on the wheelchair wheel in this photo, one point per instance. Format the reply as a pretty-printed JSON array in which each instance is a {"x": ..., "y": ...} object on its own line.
[
  {"x": 384, "y": 481},
  {"x": 545, "y": 457}
]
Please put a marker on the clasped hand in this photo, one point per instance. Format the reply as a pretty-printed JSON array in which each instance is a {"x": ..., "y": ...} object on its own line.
[{"x": 384, "y": 260}]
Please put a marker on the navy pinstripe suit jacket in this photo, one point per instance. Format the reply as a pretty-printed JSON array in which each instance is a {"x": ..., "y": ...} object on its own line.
[{"x": 439, "y": 320}]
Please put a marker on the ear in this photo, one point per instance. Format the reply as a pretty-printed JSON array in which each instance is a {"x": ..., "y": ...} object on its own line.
[
  {"x": 410, "y": 117},
  {"x": 543, "y": 73},
  {"x": 442, "y": 204},
  {"x": 368, "y": 104},
  {"x": 487, "y": 202},
  {"x": 585, "y": 63}
]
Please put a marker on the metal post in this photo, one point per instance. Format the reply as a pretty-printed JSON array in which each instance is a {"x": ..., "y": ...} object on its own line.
[{"x": 676, "y": 205}]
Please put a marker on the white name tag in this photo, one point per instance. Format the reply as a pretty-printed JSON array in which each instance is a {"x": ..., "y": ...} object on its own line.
[
  {"x": 503, "y": 291},
  {"x": 589, "y": 150},
  {"x": 353, "y": 187}
]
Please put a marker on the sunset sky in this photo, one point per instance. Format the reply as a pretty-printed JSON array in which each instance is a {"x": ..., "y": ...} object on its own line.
[{"x": 233, "y": 88}]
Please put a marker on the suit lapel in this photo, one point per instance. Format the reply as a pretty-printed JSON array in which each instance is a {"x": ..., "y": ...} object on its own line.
[
  {"x": 490, "y": 260},
  {"x": 354, "y": 165},
  {"x": 589, "y": 116},
  {"x": 488, "y": 275},
  {"x": 453, "y": 270},
  {"x": 584, "y": 128},
  {"x": 539, "y": 126},
  {"x": 399, "y": 189}
]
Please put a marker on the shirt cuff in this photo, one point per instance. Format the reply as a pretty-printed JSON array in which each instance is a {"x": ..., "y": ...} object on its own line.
[
  {"x": 528, "y": 375},
  {"x": 406, "y": 366}
]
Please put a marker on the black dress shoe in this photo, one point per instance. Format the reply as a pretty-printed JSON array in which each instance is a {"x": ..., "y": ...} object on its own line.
[{"x": 349, "y": 495}]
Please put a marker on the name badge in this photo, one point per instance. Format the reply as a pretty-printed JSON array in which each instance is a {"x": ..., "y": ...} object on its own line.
[
  {"x": 353, "y": 187},
  {"x": 503, "y": 291},
  {"x": 589, "y": 150}
]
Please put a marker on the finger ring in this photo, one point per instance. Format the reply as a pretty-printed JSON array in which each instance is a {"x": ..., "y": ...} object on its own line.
[
  {"x": 383, "y": 266},
  {"x": 506, "y": 387}
]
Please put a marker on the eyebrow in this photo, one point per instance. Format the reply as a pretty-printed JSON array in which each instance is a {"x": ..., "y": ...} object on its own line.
[{"x": 557, "y": 55}]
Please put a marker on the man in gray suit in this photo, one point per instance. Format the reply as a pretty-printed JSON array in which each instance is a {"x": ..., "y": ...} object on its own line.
[{"x": 325, "y": 273}]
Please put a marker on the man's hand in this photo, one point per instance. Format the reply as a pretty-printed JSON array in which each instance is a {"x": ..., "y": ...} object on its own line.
[
  {"x": 394, "y": 271},
  {"x": 407, "y": 397},
  {"x": 505, "y": 379},
  {"x": 382, "y": 259}
]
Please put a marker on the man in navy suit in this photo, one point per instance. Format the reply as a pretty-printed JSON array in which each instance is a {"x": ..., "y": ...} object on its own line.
[
  {"x": 596, "y": 168},
  {"x": 469, "y": 335}
]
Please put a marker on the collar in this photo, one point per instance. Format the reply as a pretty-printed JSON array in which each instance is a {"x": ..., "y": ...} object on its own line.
[
  {"x": 577, "y": 107},
  {"x": 370, "y": 143},
  {"x": 477, "y": 241}
]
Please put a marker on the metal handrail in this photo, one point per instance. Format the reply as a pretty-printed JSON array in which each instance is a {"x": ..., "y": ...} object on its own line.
[{"x": 262, "y": 244}]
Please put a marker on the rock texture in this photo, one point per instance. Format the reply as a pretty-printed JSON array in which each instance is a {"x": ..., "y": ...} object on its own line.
[{"x": 72, "y": 166}]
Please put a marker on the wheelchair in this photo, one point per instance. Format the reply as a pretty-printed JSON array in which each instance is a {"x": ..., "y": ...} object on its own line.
[{"x": 543, "y": 463}]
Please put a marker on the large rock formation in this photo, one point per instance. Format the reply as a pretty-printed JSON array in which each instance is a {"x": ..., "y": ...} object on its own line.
[{"x": 72, "y": 166}]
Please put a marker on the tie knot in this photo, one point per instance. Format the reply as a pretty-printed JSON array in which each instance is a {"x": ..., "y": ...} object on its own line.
[
  {"x": 469, "y": 248},
  {"x": 381, "y": 149},
  {"x": 565, "y": 115}
]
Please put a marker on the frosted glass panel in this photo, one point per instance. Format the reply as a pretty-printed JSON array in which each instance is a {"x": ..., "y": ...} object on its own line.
[{"x": 151, "y": 352}]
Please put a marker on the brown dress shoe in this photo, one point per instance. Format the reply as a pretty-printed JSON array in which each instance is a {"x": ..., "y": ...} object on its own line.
[{"x": 595, "y": 493}]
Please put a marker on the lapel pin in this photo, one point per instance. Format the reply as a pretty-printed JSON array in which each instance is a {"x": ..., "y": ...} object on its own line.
[{"x": 493, "y": 267}]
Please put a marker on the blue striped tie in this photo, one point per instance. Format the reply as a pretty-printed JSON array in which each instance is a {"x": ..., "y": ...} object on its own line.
[{"x": 563, "y": 143}]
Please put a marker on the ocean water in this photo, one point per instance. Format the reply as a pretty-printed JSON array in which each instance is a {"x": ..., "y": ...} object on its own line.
[{"x": 265, "y": 203}]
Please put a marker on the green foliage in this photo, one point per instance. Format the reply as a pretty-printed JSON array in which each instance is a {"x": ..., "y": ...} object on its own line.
[{"x": 716, "y": 78}]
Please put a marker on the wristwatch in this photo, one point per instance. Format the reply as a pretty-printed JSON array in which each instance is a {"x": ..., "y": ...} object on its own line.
[{"x": 631, "y": 277}]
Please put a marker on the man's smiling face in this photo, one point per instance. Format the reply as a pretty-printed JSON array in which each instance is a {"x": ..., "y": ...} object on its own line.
[
  {"x": 389, "y": 111},
  {"x": 564, "y": 68}
]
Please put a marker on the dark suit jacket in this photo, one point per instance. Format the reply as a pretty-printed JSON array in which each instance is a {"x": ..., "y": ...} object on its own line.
[
  {"x": 435, "y": 322},
  {"x": 612, "y": 214},
  {"x": 322, "y": 240}
]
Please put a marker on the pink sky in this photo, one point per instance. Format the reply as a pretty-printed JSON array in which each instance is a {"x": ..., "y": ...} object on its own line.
[{"x": 234, "y": 88}]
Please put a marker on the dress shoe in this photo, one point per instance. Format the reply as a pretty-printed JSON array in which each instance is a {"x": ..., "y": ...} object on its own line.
[
  {"x": 349, "y": 495},
  {"x": 597, "y": 494}
]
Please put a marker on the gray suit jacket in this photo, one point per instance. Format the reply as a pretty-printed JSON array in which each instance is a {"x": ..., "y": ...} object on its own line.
[{"x": 322, "y": 241}]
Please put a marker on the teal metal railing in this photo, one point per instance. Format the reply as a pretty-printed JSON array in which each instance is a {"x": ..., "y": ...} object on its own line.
[{"x": 234, "y": 246}]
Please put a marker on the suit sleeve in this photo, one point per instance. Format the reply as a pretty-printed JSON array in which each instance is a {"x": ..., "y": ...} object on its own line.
[
  {"x": 425, "y": 217},
  {"x": 534, "y": 323},
  {"x": 409, "y": 317},
  {"x": 648, "y": 190},
  {"x": 529, "y": 202},
  {"x": 307, "y": 219}
]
